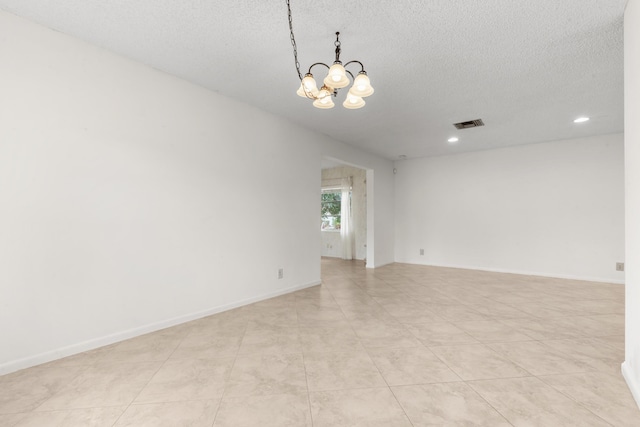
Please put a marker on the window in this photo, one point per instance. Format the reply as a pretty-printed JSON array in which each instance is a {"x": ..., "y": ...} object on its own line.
[{"x": 330, "y": 208}]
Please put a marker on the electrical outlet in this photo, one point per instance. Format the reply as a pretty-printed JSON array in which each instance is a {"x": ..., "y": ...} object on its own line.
[
  {"x": 421, "y": 251},
  {"x": 280, "y": 273},
  {"x": 619, "y": 266}
]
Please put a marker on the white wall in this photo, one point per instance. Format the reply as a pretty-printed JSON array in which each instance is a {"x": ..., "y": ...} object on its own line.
[
  {"x": 631, "y": 366},
  {"x": 131, "y": 200},
  {"x": 553, "y": 209},
  {"x": 331, "y": 240}
]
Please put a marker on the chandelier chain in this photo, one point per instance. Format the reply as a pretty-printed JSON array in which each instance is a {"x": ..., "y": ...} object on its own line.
[{"x": 293, "y": 41}]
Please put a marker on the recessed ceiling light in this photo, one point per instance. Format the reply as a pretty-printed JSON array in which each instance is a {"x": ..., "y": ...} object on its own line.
[
  {"x": 581, "y": 120},
  {"x": 453, "y": 139}
]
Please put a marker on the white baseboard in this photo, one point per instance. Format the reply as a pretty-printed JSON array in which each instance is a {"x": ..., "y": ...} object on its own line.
[
  {"x": 27, "y": 362},
  {"x": 634, "y": 386},
  {"x": 524, "y": 273}
]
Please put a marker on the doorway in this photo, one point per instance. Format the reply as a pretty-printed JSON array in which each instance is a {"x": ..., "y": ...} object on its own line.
[{"x": 335, "y": 202}]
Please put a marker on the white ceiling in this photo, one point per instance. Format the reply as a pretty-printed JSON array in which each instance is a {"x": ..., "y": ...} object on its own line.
[{"x": 527, "y": 68}]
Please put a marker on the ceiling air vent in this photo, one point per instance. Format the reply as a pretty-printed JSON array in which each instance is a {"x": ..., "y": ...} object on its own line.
[{"x": 469, "y": 124}]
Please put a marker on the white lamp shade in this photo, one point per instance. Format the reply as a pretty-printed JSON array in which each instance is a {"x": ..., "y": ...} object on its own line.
[
  {"x": 337, "y": 77},
  {"x": 301, "y": 92},
  {"x": 324, "y": 102},
  {"x": 310, "y": 84},
  {"x": 353, "y": 102},
  {"x": 309, "y": 94},
  {"x": 324, "y": 92},
  {"x": 361, "y": 86}
]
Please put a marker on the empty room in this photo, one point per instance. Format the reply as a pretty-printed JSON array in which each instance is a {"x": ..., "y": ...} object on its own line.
[{"x": 330, "y": 213}]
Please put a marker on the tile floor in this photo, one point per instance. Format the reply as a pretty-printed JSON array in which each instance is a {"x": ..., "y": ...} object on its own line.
[{"x": 401, "y": 345}]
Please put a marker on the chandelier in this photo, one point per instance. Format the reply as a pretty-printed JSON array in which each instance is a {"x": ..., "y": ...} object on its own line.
[{"x": 336, "y": 79}]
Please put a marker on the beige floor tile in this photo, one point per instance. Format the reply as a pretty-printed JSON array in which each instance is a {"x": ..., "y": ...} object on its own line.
[
  {"x": 271, "y": 340},
  {"x": 320, "y": 292},
  {"x": 495, "y": 310},
  {"x": 395, "y": 300},
  {"x": 323, "y": 302},
  {"x": 433, "y": 334},
  {"x": 420, "y": 329},
  {"x": 321, "y": 340},
  {"x": 373, "y": 319},
  {"x": 615, "y": 341},
  {"x": 381, "y": 334},
  {"x": 530, "y": 402},
  {"x": 278, "y": 410},
  {"x": 594, "y": 326},
  {"x": 92, "y": 417},
  {"x": 543, "y": 329},
  {"x": 358, "y": 308},
  {"x": 187, "y": 379},
  {"x": 451, "y": 404},
  {"x": 308, "y": 315},
  {"x": 338, "y": 371},
  {"x": 338, "y": 323},
  {"x": 154, "y": 347},
  {"x": 539, "y": 359},
  {"x": 230, "y": 323},
  {"x": 431, "y": 296},
  {"x": 544, "y": 310},
  {"x": 40, "y": 419},
  {"x": 515, "y": 299},
  {"x": 269, "y": 374},
  {"x": 204, "y": 346},
  {"x": 592, "y": 306},
  {"x": 456, "y": 313},
  {"x": 338, "y": 289},
  {"x": 592, "y": 352},
  {"x": 604, "y": 394},
  {"x": 276, "y": 316},
  {"x": 103, "y": 385},
  {"x": 11, "y": 420},
  {"x": 492, "y": 331},
  {"x": 279, "y": 302},
  {"x": 357, "y": 408},
  {"x": 474, "y": 362},
  {"x": 348, "y": 294},
  {"x": 614, "y": 320},
  {"x": 377, "y": 290},
  {"x": 25, "y": 390},
  {"x": 418, "y": 365},
  {"x": 196, "y": 413},
  {"x": 409, "y": 311}
]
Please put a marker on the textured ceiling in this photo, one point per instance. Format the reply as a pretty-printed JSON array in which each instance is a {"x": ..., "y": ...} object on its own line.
[{"x": 527, "y": 68}]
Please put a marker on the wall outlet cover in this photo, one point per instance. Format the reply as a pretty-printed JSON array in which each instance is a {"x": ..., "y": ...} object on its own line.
[{"x": 619, "y": 266}]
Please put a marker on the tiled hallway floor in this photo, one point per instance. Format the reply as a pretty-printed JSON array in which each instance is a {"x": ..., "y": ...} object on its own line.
[{"x": 400, "y": 345}]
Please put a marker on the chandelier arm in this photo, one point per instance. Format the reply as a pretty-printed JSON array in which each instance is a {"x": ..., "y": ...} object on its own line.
[
  {"x": 293, "y": 42},
  {"x": 356, "y": 62},
  {"x": 349, "y": 72},
  {"x": 317, "y": 63}
]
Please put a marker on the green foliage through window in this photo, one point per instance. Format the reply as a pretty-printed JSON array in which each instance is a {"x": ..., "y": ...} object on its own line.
[{"x": 330, "y": 207}]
